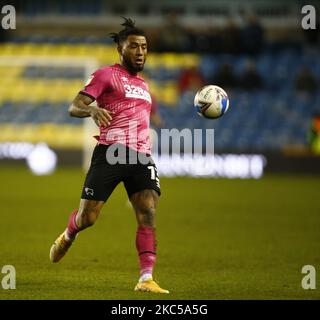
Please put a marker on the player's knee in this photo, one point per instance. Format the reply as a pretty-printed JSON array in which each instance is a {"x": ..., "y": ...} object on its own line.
[{"x": 147, "y": 208}]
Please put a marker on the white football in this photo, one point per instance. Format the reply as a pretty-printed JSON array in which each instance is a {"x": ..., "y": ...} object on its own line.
[{"x": 211, "y": 102}]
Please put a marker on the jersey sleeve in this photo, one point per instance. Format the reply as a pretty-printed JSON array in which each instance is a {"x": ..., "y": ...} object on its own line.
[{"x": 97, "y": 83}]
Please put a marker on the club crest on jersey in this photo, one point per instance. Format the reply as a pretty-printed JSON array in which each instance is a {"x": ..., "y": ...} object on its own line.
[
  {"x": 132, "y": 91},
  {"x": 124, "y": 79}
]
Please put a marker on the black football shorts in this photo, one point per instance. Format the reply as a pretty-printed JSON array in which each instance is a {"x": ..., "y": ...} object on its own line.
[{"x": 136, "y": 170}]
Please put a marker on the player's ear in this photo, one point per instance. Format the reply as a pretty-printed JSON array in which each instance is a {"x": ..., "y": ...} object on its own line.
[{"x": 119, "y": 48}]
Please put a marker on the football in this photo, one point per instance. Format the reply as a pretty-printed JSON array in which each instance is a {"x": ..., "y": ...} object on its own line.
[{"x": 211, "y": 102}]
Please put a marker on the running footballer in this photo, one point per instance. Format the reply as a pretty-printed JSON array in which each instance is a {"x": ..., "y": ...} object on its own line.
[{"x": 123, "y": 104}]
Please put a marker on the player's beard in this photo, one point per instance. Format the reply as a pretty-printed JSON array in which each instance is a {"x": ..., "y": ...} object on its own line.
[{"x": 133, "y": 68}]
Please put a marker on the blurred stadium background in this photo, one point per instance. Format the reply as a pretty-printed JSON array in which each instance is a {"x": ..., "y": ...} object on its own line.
[{"x": 256, "y": 50}]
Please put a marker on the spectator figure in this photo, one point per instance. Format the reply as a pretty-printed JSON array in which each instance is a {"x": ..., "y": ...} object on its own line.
[
  {"x": 3, "y": 35},
  {"x": 250, "y": 78},
  {"x": 306, "y": 81},
  {"x": 190, "y": 79},
  {"x": 252, "y": 36},
  {"x": 312, "y": 37},
  {"x": 231, "y": 38},
  {"x": 225, "y": 77},
  {"x": 173, "y": 36}
]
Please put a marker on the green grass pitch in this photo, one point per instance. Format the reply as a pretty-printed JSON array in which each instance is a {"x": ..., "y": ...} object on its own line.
[{"x": 217, "y": 238}]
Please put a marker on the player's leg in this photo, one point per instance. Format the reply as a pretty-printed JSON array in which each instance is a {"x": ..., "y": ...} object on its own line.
[
  {"x": 100, "y": 182},
  {"x": 84, "y": 217},
  {"x": 79, "y": 220},
  {"x": 88, "y": 213},
  {"x": 144, "y": 203},
  {"x": 143, "y": 189}
]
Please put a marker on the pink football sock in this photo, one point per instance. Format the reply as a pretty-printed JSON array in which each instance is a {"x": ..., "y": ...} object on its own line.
[
  {"x": 72, "y": 228},
  {"x": 146, "y": 247}
]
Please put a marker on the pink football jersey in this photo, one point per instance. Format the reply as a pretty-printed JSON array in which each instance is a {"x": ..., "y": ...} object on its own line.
[{"x": 128, "y": 97}]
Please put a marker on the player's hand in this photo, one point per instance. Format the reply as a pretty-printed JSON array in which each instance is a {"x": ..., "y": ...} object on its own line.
[{"x": 100, "y": 116}]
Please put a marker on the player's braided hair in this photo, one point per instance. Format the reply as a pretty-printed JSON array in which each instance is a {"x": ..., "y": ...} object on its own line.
[{"x": 129, "y": 29}]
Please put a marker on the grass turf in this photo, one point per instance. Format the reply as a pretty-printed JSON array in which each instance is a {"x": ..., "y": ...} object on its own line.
[{"x": 217, "y": 238}]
